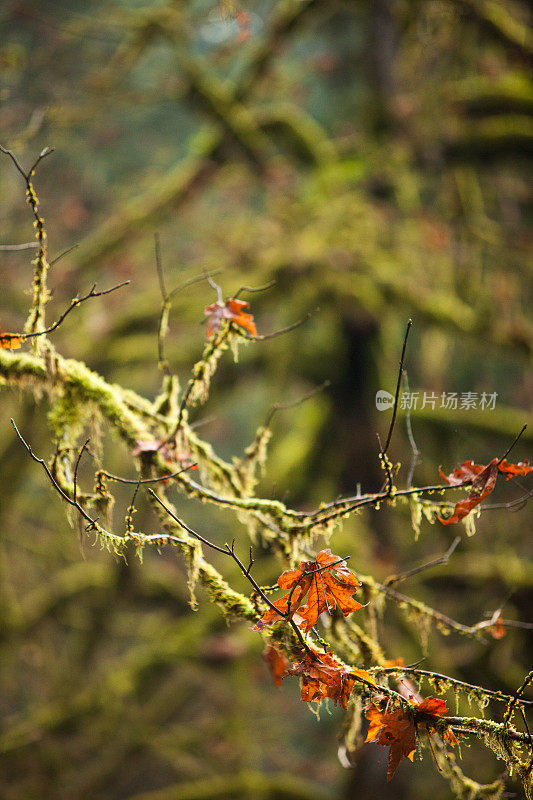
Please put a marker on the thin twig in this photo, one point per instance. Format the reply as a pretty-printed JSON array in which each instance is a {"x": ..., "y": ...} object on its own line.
[
  {"x": 262, "y": 337},
  {"x": 227, "y": 550},
  {"x": 25, "y": 246},
  {"x": 93, "y": 524},
  {"x": 434, "y": 563},
  {"x": 159, "y": 266},
  {"x": 497, "y": 695},
  {"x": 163, "y": 478},
  {"x": 73, "y": 304},
  {"x": 514, "y": 700},
  {"x": 63, "y": 254},
  {"x": 398, "y": 384},
  {"x": 76, "y": 468},
  {"x": 416, "y": 452},
  {"x": 517, "y": 437},
  {"x": 293, "y": 403},
  {"x": 254, "y": 289}
]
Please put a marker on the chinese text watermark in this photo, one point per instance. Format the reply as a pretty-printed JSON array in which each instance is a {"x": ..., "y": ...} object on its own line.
[{"x": 452, "y": 401}]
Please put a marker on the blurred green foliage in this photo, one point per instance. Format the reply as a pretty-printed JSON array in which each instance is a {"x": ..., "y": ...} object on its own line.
[{"x": 374, "y": 159}]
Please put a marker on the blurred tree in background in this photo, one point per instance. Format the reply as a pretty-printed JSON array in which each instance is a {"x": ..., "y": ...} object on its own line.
[{"x": 373, "y": 159}]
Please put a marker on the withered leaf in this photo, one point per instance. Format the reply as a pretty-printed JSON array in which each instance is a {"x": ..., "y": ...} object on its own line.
[
  {"x": 323, "y": 676},
  {"x": 394, "y": 729},
  {"x": 398, "y": 727},
  {"x": 482, "y": 485},
  {"x": 327, "y": 582},
  {"x": 232, "y": 310},
  {"x": 10, "y": 341},
  {"x": 277, "y": 662},
  {"x": 512, "y": 470}
]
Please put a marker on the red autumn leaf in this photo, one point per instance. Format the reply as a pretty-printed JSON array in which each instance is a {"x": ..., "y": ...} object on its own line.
[
  {"x": 497, "y": 631},
  {"x": 464, "y": 473},
  {"x": 278, "y": 664},
  {"x": 482, "y": 485},
  {"x": 426, "y": 715},
  {"x": 287, "y": 604},
  {"x": 10, "y": 341},
  {"x": 398, "y": 728},
  {"x": 467, "y": 471},
  {"x": 327, "y": 582},
  {"x": 394, "y": 729},
  {"x": 231, "y": 310},
  {"x": 512, "y": 470},
  {"x": 323, "y": 676}
]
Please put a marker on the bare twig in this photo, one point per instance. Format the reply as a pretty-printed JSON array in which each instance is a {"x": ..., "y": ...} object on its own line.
[
  {"x": 263, "y": 288},
  {"x": 76, "y": 468},
  {"x": 416, "y": 452},
  {"x": 162, "y": 479},
  {"x": 63, "y": 254},
  {"x": 398, "y": 385},
  {"x": 497, "y": 695},
  {"x": 293, "y": 403},
  {"x": 76, "y": 301},
  {"x": 262, "y": 337},
  {"x": 25, "y": 246},
  {"x": 401, "y": 576},
  {"x": 517, "y": 437},
  {"x": 92, "y": 523},
  {"x": 230, "y": 551},
  {"x": 40, "y": 293}
]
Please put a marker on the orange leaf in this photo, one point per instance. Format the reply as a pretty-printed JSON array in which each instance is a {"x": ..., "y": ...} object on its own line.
[
  {"x": 467, "y": 471},
  {"x": 482, "y": 485},
  {"x": 463, "y": 474},
  {"x": 393, "y": 662},
  {"x": 10, "y": 341},
  {"x": 497, "y": 631},
  {"x": 426, "y": 714},
  {"x": 398, "y": 728},
  {"x": 327, "y": 582},
  {"x": 394, "y": 729},
  {"x": 231, "y": 310},
  {"x": 323, "y": 676},
  {"x": 278, "y": 664},
  {"x": 509, "y": 470},
  {"x": 286, "y": 605}
]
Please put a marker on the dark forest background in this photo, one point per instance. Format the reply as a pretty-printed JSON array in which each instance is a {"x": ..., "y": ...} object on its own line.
[{"x": 373, "y": 158}]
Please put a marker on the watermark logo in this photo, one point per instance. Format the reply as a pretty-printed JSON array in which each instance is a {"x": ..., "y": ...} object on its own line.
[
  {"x": 452, "y": 401},
  {"x": 384, "y": 400}
]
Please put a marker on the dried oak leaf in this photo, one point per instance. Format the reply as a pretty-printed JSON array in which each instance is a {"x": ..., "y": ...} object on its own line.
[
  {"x": 277, "y": 663},
  {"x": 10, "y": 341},
  {"x": 482, "y": 485},
  {"x": 231, "y": 310},
  {"x": 323, "y": 676},
  {"x": 327, "y": 582}
]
